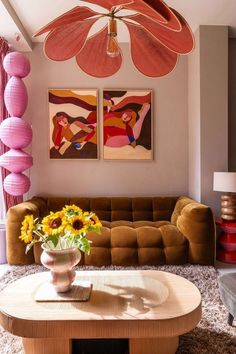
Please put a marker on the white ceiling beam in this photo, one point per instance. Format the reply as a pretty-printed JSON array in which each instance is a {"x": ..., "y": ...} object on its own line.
[{"x": 15, "y": 26}]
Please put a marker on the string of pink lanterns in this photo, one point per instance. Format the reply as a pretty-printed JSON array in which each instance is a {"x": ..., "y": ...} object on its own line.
[{"x": 16, "y": 133}]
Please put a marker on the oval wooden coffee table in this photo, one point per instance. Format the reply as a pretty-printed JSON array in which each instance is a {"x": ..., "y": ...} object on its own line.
[{"x": 150, "y": 308}]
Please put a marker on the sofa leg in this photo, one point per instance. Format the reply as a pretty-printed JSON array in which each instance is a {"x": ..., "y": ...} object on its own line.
[{"x": 230, "y": 319}]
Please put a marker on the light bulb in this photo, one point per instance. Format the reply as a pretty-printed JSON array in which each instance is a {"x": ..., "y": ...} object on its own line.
[
  {"x": 112, "y": 44},
  {"x": 112, "y": 47}
]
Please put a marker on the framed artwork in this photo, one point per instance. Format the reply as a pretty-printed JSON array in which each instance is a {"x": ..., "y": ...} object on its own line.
[
  {"x": 127, "y": 125},
  {"x": 73, "y": 123}
]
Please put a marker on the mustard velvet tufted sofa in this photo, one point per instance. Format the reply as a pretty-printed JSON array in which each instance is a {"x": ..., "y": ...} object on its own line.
[{"x": 136, "y": 231}]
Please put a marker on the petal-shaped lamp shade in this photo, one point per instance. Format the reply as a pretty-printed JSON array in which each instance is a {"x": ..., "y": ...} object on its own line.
[
  {"x": 72, "y": 37},
  {"x": 16, "y": 184},
  {"x": 16, "y": 160},
  {"x": 164, "y": 34},
  {"x": 15, "y": 96},
  {"x": 16, "y": 64},
  {"x": 78, "y": 13},
  {"x": 15, "y": 133},
  {"x": 99, "y": 65}
]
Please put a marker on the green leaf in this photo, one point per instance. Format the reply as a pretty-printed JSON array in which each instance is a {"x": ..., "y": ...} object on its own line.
[
  {"x": 30, "y": 245},
  {"x": 54, "y": 239},
  {"x": 98, "y": 230},
  {"x": 38, "y": 226},
  {"x": 71, "y": 212},
  {"x": 84, "y": 245}
]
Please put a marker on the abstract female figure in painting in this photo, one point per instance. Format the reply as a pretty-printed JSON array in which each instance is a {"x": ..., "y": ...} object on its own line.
[
  {"x": 127, "y": 127},
  {"x": 127, "y": 124},
  {"x": 76, "y": 131}
]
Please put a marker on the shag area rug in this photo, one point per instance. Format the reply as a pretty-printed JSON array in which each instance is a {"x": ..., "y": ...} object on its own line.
[{"x": 212, "y": 335}]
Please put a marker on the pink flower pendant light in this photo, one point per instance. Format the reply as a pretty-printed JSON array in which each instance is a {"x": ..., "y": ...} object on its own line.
[
  {"x": 158, "y": 35},
  {"x": 15, "y": 133}
]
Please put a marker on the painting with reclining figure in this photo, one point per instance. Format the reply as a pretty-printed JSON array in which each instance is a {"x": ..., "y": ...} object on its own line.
[
  {"x": 127, "y": 125},
  {"x": 73, "y": 124}
]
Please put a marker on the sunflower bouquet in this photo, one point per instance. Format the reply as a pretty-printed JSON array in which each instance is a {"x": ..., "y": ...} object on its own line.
[{"x": 61, "y": 230}]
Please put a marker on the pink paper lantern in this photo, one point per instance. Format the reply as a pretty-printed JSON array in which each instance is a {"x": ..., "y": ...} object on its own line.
[
  {"x": 15, "y": 97},
  {"x": 16, "y": 160},
  {"x": 16, "y": 64},
  {"x": 16, "y": 184},
  {"x": 15, "y": 133}
]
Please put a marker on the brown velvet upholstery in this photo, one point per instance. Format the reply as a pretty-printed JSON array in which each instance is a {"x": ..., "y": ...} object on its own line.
[{"x": 136, "y": 231}]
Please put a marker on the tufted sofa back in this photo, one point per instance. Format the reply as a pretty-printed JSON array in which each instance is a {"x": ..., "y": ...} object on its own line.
[{"x": 120, "y": 208}]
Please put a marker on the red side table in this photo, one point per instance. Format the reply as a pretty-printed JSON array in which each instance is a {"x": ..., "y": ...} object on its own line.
[{"x": 226, "y": 242}]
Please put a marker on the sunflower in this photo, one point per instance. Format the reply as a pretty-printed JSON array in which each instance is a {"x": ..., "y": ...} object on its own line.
[
  {"x": 27, "y": 229},
  {"x": 71, "y": 210},
  {"x": 94, "y": 221},
  {"x": 54, "y": 223},
  {"x": 77, "y": 224}
]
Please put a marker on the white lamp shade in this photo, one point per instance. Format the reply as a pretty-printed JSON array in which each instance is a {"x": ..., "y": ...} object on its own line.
[{"x": 224, "y": 182}]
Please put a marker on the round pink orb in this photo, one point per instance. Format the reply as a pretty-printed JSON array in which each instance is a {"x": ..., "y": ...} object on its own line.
[
  {"x": 16, "y": 64},
  {"x": 16, "y": 160},
  {"x": 16, "y": 184},
  {"x": 15, "y": 133},
  {"x": 15, "y": 97}
]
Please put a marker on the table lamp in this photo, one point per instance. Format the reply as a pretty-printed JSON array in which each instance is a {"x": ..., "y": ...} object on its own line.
[{"x": 226, "y": 182}]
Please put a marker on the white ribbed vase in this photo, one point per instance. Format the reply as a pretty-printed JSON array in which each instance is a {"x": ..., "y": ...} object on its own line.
[{"x": 61, "y": 263}]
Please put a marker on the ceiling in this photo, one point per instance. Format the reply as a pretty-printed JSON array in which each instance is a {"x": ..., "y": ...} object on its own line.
[{"x": 20, "y": 19}]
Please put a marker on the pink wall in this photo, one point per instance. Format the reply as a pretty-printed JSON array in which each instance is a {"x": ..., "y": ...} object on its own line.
[{"x": 167, "y": 174}]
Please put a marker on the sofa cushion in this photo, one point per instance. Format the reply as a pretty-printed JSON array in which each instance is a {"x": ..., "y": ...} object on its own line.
[
  {"x": 138, "y": 243},
  {"x": 121, "y": 209},
  {"x": 101, "y": 207},
  {"x": 179, "y": 206},
  {"x": 142, "y": 209},
  {"x": 134, "y": 224},
  {"x": 163, "y": 207},
  {"x": 196, "y": 221}
]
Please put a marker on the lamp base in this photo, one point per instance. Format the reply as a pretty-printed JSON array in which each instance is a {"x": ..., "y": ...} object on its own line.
[{"x": 228, "y": 207}]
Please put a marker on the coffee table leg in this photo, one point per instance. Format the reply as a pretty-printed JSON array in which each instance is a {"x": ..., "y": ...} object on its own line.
[
  {"x": 47, "y": 346},
  {"x": 153, "y": 345}
]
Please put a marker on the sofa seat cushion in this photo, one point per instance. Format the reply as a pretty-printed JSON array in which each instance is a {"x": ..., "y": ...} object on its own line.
[
  {"x": 134, "y": 224},
  {"x": 126, "y": 243}
]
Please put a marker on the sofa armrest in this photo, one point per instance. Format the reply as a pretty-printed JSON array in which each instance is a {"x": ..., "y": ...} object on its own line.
[
  {"x": 196, "y": 222},
  {"x": 15, "y": 215}
]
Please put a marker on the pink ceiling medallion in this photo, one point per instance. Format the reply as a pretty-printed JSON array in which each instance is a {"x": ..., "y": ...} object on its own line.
[
  {"x": 15, "y": 133},
  {"x": 158, "y": 35}
]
